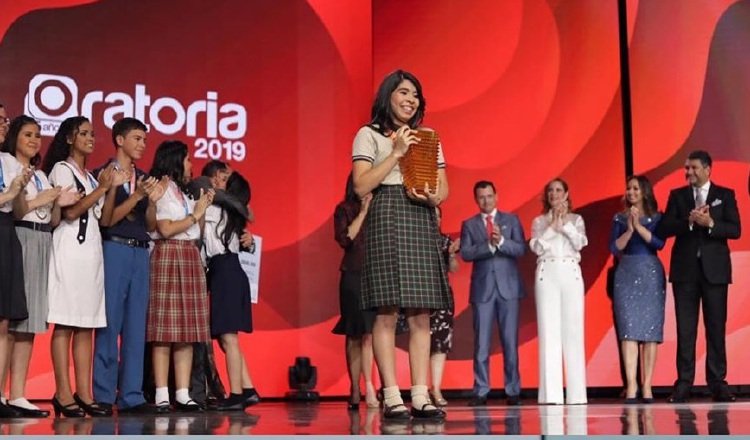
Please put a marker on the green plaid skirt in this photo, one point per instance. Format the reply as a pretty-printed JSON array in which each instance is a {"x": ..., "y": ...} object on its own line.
[{"x": 404, "y": 265}]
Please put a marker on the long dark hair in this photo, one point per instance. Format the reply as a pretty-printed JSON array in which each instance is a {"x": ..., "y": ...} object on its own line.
[
  {"x": 382, "y": 115},
  {"x": 650, "y": 205},
  {"x": 545, "y": 202},
  {"x": 59, "y": 148},
  {"x": 239, "y": 189},
  {"x": 11, "y": 138},
  {"x": 169, "y": 161}
]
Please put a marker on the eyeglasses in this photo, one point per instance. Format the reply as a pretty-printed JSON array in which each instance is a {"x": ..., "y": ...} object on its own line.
[{"x": 4, "y": 120}]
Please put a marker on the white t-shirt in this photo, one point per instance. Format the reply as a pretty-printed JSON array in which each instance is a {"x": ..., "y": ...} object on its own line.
[{"x": 175, "y": 205}]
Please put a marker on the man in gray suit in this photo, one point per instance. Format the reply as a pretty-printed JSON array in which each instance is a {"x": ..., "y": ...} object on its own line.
[{"x": 493, "y": 241}]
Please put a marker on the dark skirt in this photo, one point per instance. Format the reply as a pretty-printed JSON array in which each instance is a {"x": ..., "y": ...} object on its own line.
[
  {"x": 231, "y": 311},
  {"x": 12, "y": 291},
  {"x": 639, "y": 296},
  {"x": 178, "y": 301},
  {"x": 404, "y": 265},
  {"x": 441, "y": 331},
  {"x": 354, "y": 321}
]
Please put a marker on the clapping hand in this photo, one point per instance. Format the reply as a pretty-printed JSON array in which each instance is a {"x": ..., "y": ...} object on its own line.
[
  {"x": 158, "y": 190},
  {"x": 701, "y": 216},
  {"x": 48, "y": 196},
  {"x": 68, "y": 196},
  {"x": 454, "y": 247},
  {"x": 106, "y": 176},
  {"x": 120, "y": 177}
]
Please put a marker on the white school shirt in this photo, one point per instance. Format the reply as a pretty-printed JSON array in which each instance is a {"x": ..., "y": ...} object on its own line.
[
  {"x": 213, "y": 231},
  {"x": 176, "y": 205}
]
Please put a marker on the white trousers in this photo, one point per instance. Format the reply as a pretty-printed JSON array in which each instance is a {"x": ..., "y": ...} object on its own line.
[{"x": 559, "y": 315}]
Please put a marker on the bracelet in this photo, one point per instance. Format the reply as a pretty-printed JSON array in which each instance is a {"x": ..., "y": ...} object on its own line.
[{"x": 192, "y": 217}]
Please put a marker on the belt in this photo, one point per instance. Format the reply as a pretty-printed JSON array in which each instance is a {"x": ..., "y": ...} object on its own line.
[
  {"x": 44, "y": 227},
  {"x": 132, "y": 242}
]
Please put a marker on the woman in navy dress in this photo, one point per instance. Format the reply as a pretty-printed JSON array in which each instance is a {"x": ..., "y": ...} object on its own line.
[{"x": 639, "y": 293}]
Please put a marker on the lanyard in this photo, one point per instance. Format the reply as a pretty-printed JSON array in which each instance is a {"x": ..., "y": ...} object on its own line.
[
  {"x": 2, "y": 180},
  {"x": 128, "y": 186},
  {"x": 37, "y": 182},
  {"x": 88, "y": 175}
]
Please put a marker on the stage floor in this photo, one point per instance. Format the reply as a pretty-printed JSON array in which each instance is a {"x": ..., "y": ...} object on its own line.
[{"x": 601, "y": 416}]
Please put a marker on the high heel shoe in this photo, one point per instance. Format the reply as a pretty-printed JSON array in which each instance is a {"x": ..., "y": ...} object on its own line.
[
  {"x": 71, "y": 411},
  {"x": 94, "y": 409},
  {"x": 439, "y": 400}
]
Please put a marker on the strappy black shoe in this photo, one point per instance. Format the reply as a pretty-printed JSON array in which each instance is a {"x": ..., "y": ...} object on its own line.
[{"x": 94, "y": 409}]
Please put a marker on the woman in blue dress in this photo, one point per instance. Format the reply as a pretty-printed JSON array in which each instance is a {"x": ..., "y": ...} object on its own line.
[{"x": 639, "y": 283}]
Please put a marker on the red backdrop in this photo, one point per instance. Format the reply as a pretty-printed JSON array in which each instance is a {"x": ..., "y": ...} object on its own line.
[{"x": 520, "y": 91}]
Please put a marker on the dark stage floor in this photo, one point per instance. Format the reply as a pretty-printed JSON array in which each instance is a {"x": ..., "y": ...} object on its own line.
[{"x": 601, "y": 416}]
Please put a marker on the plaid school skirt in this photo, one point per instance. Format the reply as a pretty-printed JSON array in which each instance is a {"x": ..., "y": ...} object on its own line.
[
  {"x": 404, "y": 265},
  {"x": 178, "y": 301}
]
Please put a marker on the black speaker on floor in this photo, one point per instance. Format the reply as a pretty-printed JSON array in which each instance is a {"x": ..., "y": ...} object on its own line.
[{"x": 303, "y": 376}]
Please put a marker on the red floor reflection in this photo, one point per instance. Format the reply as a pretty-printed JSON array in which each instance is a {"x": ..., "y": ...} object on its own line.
[{"x": 599, "y": 417}]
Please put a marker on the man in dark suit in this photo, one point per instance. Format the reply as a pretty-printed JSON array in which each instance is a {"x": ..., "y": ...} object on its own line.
[
  {"x": 493, "y": 241},
  {"x": 701, "y": 216}
]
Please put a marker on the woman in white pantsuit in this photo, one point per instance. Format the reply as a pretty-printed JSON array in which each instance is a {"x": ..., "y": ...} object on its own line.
[{"x": 557, "y": 237}]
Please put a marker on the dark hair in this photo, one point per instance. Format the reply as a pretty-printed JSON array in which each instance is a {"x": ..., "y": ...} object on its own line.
[
  {"x": 124, "y": 126},
  {"x": 650, "y": 205},
  {"x": 382, "y": 115},
  {"x": 239, "y": 189},
  {"x": 213, "y": 167},
  {"x": 59, "y": 148},
  {"x": 168, "y": 161},
  {"x": 483, "y": 184},
  {"x": 545, "y": 203},
  {"x": 702, "y": 156},
  {"x": 11, "y": 138}
]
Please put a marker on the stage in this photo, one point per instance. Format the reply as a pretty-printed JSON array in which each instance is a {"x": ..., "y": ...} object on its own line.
[{"x": 600, "y": 417}]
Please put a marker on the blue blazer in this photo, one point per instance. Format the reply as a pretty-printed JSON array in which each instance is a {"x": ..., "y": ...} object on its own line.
[{"x": 499, "y": 269}]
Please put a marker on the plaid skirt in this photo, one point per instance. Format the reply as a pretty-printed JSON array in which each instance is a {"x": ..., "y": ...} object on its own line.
[
  {"x": 404, "y": 265},
  {"x": 178, "y": 301}
]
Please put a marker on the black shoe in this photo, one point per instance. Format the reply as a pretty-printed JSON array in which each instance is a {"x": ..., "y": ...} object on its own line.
[
  {"x": 723, "y": 395},
  {"x": 190, "y": 406},
  {"x": 352, "y": 406},
  {"x": 71, "y": 411},
  {"x": 647, "y": 400},
  {"x": 680, "y": 394},
  {"x": 433, "y": 413},
  {"x": 631, "y": 401},
  {"x": 251, "y": 397},
  {"x": 29, "y": 412},
  {"x": 143, "y": 409},
  {"x": 235, "y": 402},
  {"x": 478, "y": 401},
  {"x": 8, "y": 412},
  {"x": 94, "y": 409},
  {"x": 396, "y": 412},
  {"x": 513, "y": 400}
]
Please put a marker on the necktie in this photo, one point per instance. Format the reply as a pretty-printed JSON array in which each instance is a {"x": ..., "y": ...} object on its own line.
[
  {"x": 699, "y": 198},
  {"x": 490, "y": 226}
]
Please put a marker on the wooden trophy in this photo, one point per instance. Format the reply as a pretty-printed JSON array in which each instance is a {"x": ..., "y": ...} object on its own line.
[{"x": 419, "y": 164}]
